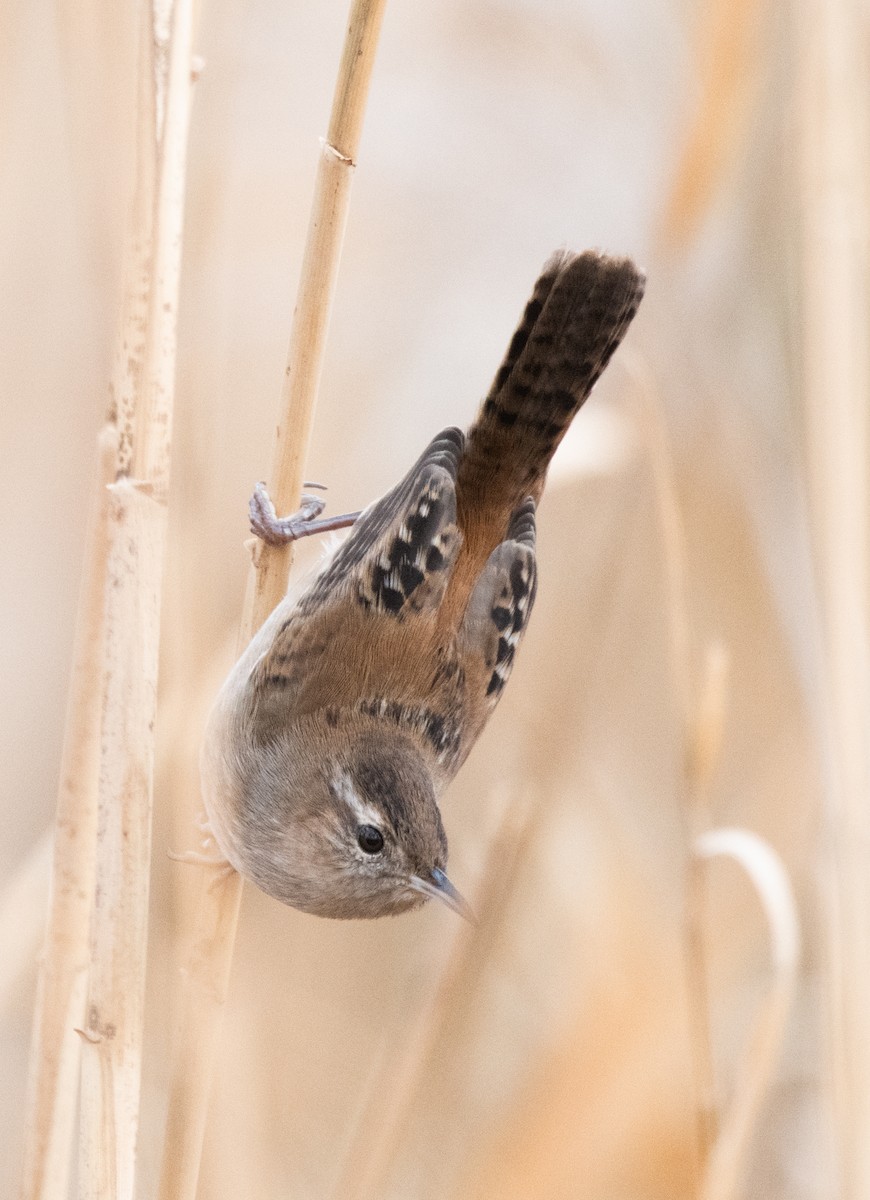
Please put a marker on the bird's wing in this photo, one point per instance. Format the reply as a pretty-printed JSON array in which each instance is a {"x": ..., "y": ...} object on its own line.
[
  {"x": 357, "y": 625},
  {"x": 498, "y": 613},
  {"x": 397, "y": 557}
]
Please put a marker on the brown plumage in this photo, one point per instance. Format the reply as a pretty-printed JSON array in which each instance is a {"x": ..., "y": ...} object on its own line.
[{"x": 360, "y": 698}]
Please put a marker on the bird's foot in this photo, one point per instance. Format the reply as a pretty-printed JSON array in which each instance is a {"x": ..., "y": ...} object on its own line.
[
  {"x": 216, "y": 862},
  {"x": 197, "y": 858},
  {"x": 278, "y": 531}
]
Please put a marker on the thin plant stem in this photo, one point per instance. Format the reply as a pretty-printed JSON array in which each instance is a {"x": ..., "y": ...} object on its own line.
[
  {"x": 338, "y": 155},
  {"x": 703, "y": 750},
  {"x": 207, "y": 969},
  {"x": 723, "y": 1142},
  {"x": 701, "y": 712}
]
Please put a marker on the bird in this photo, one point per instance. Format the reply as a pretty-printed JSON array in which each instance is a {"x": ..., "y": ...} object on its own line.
[{"x": 336, "y": 733}]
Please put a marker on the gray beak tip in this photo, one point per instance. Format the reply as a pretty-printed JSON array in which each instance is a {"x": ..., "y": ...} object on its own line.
[{"x": 439, "y": 887}]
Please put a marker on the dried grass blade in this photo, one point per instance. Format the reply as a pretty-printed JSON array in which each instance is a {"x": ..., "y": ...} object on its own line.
[{"x": 701, "y": 709}]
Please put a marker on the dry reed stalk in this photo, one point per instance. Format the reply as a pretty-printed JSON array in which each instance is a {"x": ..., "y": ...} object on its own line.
[
  {"x": 371, "y": 1156},
  {"x": 703, "y": 749},
  {"x": 729, "y": 77},
  {"x": 727, "y": 1163},
  {"x": 63, "y": 978},
  {"x": 22, "y": 918},
  {"x": 206, "y": 973},
  {"x": 833, "y": 83},
  {"x": 702, "y": 714},
  {"x": 141, "y": 409},
  {"x": 722, "y": 1145}
]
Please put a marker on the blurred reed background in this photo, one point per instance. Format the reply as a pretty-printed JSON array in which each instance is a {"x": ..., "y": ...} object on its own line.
[{"x": 712, "y": 493}]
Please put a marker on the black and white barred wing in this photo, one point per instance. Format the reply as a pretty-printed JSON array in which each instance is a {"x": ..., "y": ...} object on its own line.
[
  {"x": 391, "y": 571},
  {"x": 499, "y": 611},
  {"x": 398, "y": 555}
]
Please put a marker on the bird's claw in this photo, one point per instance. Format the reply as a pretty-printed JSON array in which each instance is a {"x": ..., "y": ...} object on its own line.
[
  {"x": 275, "y": 530},
  {"x": 278, "y": 531}
]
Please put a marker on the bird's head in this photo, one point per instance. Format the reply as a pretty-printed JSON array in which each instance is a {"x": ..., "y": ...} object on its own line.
[{"x": 344, "y": 824}]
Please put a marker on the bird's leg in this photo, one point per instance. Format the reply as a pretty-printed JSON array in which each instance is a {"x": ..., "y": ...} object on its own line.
[
  {"x": 278, "y": 531},
  {"x": 221, "y": 867}
]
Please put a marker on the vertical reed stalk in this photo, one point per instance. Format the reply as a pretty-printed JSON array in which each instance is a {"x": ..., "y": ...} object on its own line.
[
  {"x": 207, "y": 970},
  {"x": 141, "y": 409},
  {"x": 723, "y": 1143},
  {"x": 833, "y": 85},
  {"x": 701, "y": 711},
  {"x": 703, "y": 748}
]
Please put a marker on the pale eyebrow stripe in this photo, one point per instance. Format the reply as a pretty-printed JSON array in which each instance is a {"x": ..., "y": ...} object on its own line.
[{"x": 364, "y": 813}]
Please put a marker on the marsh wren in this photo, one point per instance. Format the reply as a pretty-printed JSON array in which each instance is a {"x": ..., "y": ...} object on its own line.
[{"x": 360, "y": 697}]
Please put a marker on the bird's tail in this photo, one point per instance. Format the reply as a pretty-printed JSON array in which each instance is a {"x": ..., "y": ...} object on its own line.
[{"x": 578, "y": 314}]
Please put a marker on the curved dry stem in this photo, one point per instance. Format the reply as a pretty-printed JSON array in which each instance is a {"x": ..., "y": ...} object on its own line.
[{"x": 770, "y": 880}]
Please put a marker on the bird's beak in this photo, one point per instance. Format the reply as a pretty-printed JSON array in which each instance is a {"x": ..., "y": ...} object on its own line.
[{"x": 437, "y": 885}]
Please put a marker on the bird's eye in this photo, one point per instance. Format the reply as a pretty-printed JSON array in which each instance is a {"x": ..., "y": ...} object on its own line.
[{"x": 370, "y": 839}]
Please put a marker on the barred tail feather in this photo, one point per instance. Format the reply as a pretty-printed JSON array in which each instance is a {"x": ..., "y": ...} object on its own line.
[{"x": 578, "y": 314}]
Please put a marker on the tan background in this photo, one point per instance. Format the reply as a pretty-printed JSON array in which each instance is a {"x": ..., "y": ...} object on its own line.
[{"x": 497, "y": 131}]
